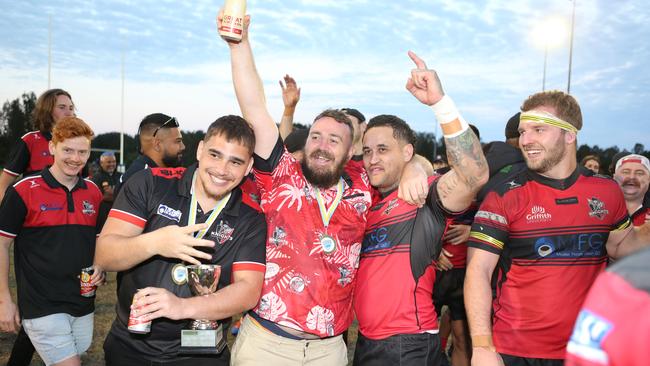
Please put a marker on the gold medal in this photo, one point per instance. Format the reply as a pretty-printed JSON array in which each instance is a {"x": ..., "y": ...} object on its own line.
[
  {"x": 328, "y": 244},
  {"x": 179, "y": 274}
]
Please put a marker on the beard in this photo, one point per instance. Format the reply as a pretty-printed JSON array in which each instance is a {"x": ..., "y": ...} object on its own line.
[
  {"x": 554, "y": 156},
  {"x": 322, "y": 179},
  {"x": 172, "y": 161}
]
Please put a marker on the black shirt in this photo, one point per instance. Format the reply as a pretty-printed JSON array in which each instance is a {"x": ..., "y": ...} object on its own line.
[
  {"x": 104, "y": 180},
  {"x": 54, "y": 231},
  {"x": 140, "y": 163},
  {"x": 158, "y": 197}
]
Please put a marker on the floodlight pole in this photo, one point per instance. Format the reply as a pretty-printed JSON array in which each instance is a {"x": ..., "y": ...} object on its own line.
[
  {"x": 545, "y": 60},
  {"x": 573, "y": 19},
  {"x": 49, "y": 52}
]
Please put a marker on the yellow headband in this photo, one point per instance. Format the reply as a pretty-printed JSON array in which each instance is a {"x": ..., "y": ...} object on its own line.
[{"x": 547, "y": 118}]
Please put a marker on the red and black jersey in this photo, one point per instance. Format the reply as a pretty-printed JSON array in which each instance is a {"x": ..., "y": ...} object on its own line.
[
  {"x": 306, "y": 288},
  {"x": 158, "y": 197},
  {"x": 550, "y": 235},
  {"x": 31, "y": 154},
  {"x": 54, "y": 230},
  {"x": 642, "y": 214},
  {"x": 393, "y": 294},
  {"x": 459, "y": 251},
  {"x": 613, "y": 327}
]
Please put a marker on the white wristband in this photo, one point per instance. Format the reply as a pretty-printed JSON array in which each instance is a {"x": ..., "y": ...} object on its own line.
[{"x": 452, "y": 123}]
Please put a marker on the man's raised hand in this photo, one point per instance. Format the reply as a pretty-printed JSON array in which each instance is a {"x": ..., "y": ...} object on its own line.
[
  {"x": 424, "y": 84},
  {"x": 290, "y": 92}
]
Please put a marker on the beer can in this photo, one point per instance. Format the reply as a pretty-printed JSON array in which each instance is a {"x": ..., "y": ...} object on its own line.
[
  {"x": 87, "y": 289},
  {"x": 137, "y": 324},
  {"x": 232, "y": 23}
]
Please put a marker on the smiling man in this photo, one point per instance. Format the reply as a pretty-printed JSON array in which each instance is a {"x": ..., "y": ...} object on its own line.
[
  {"x": 548, "y": 231},
  {"x": 633, "y": 175},
  {"x": 165, "y": 218},
  {"x": 52, "y": 217},
  {"x": 402, "y": 241}
]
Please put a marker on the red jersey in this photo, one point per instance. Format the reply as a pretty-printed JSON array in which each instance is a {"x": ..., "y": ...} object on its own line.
[
  {"x": 308, "y": 285},
  {"x": 613, "y": 327},
  {"x": 459, "y": 251},
  {"x": 32, "y": 154},
  {"x": 394, "y": 289},
  {"x": 550, "y": 235}
]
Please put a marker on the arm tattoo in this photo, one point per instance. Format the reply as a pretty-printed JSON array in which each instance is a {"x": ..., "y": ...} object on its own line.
[{"x": 466, "y": 158}]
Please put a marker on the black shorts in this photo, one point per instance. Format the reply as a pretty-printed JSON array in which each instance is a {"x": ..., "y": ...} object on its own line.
[
  {"x": 401, "y": 349},
  {"x": 117, "y": 354},
  {"x": 523, "y": 361},
  {"x": 448, "y": 290}
]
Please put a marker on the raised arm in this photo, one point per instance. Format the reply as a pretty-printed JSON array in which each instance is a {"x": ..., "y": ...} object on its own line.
[
  {"x": 469, "y": 169},
  {"x": 250, "y": 93},
  {"x": 290, "y": 98}
]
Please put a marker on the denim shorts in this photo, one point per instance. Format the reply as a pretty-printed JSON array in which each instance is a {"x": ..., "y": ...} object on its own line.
[{"x": 60, "y": 336}]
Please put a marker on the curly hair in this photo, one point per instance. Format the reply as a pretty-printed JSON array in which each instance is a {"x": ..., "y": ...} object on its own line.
[{"x": 70, "y": 127}]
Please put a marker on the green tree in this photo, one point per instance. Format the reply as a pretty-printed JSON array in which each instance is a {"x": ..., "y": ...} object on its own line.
[{"x": 15, "y": 121}]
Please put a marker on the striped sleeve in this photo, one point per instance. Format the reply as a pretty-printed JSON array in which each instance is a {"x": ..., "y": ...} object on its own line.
[
  {"x": 251, "y": 251},
  {"x": 19, "y": 159},
  {"x": 490, "y": 227}
]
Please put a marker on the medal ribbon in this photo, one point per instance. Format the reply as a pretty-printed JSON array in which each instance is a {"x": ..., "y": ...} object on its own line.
[
  {"x": 326, "y": 214},
  {"x": 191, "y": 220}
]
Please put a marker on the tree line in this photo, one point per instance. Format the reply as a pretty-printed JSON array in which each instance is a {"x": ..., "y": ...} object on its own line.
[{"x": 15, "y": 121}]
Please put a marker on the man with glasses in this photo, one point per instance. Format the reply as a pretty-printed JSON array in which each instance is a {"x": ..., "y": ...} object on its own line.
[{"x": 160, "y": 144}]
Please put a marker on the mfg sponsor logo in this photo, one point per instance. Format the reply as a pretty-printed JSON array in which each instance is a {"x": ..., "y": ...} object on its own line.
[
  {"x": 170, "y": 213},
  {"x": 571, "y": 246}
]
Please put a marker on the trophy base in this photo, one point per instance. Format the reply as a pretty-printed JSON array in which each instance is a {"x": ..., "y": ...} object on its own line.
[{"x": 202, "y": 341}]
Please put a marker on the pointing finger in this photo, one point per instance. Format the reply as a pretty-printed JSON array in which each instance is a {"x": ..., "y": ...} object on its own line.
[{"x": 418, "y": 61}]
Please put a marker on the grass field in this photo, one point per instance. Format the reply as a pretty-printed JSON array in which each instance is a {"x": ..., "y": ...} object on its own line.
[{"x": 104, "y": 315}]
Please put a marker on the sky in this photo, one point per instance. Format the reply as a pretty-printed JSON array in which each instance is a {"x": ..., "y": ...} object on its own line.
[{"x": 342, "y": 54}]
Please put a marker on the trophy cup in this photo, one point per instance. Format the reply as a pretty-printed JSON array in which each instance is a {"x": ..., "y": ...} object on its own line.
[{"x": 204, "y": 336}]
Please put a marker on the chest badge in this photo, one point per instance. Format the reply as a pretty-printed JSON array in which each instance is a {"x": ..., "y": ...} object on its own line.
[{"x": 597, "y": 208}]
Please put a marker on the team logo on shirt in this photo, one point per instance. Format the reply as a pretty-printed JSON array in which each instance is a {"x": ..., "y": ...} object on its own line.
[
  {"x": 597, "y": 208},
  {"x": 391, "y": 205},
  {"x": 169, "y": 213},
  {"x": 538, "y": 214},
  {"x": 87, "y": 208},
  {"x": 223, "y": 233}
]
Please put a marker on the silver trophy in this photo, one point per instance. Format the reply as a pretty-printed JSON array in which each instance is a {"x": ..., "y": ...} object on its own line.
[{"x": 204, "y": 336}]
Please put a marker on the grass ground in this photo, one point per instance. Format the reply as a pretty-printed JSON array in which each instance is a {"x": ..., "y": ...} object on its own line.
[{"x": 104, "y": 315}]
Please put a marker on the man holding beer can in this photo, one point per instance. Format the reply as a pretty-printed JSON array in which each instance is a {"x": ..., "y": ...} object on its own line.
[
  {"x": 167, "y": 218},
  {"x": 52, "y": 218}
]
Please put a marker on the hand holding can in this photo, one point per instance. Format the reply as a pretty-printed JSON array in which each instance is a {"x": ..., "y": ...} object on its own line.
[{"x": 232, "y": 21}]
